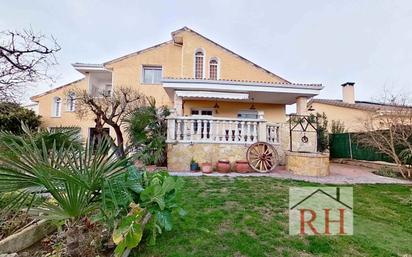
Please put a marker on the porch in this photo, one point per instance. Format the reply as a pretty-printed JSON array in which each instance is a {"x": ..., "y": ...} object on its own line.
[
  {"x": 216, "y": 120},
  {"x": 210, "y": 139}
]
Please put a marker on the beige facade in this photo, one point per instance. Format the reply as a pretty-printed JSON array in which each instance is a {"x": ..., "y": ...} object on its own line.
[
  {"x": 352, "y": 119},
  {"x": 236, "y": 87}
]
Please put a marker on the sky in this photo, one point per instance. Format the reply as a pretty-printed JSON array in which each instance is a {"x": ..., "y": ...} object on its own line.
[{"x": 328, "y": 42}]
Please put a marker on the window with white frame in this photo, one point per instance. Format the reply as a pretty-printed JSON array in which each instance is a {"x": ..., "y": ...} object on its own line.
[
  {"x": 199, "y": 57},
  {"x": 202, "y": 112},
  {"x": 247, "y": 114},
  {"x": 213, "y": 69},
  {"x": 71, "y": 101},
  {"x": 57, "y": 102},
  {"x": 152, "y": 74}
]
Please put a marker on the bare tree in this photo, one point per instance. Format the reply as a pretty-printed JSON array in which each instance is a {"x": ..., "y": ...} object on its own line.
[
  {"x": 110, "y": 109},
  {"x": 25, "y": 58},
  {"x": 389, "y": 131}
]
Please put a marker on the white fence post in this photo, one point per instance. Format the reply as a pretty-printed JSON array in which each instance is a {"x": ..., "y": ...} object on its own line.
[{"x": 262, "y": 127}]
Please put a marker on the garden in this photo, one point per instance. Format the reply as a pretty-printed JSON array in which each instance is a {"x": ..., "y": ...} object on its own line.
[{"x": 85, "y": 199}]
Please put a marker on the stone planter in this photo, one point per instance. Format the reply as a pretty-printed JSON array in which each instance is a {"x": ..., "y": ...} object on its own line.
[
  {"x": 26, "y": 237},
  {"x": 206, "y": 167},
  {"x": 223, "y": 166},
  {"x": 242, "y": 166}
]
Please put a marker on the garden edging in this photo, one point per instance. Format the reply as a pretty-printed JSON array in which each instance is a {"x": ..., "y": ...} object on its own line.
[{"x": 26, "y": 237}]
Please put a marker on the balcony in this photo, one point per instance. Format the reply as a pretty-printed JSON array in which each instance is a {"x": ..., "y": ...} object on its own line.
[{"x": 194, "y": 129}]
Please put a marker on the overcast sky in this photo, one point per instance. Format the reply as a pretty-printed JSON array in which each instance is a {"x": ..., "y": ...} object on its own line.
[{"x": 328, "y": 42}]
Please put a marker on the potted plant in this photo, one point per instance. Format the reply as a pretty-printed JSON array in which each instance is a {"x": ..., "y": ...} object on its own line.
[
  {"x": 206, "y": 167},
  {"x": 194, "y": 166},
  {"x": 242, "y": 166},
  {"x": 223, "y": 166}
]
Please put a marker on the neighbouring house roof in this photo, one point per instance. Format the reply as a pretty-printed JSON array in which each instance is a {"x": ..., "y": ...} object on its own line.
[
  {"x": 33, "y": 98},
  {"x": 174, "y": 33},
  {"x": 244, "y": 82},
  {"x": 360, "y": 105}
]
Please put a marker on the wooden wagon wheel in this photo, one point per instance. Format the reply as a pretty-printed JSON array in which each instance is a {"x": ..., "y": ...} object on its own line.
[{"x": 262, "y": 157}]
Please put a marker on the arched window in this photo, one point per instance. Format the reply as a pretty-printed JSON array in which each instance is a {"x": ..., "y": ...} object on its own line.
[
  {"x": 199, "y": 56},
  {"x": 71, "y": 101},
  {"x": 213, "y": 67},
  {"x": 57, "y": 101}
]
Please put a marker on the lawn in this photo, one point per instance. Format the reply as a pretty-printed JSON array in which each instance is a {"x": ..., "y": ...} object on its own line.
[{"x": 249, "y": 217}]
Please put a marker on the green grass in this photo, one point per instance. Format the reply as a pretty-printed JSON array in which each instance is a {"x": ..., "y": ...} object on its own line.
[{"x": 249, "y": 217}]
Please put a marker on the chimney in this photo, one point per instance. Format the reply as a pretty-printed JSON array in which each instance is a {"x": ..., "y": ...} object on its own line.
[{"x": 348, "y": 92}]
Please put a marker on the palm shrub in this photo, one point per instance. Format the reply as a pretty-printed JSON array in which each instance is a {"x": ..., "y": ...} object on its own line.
[
  {"x": 147, "y": 130},
  {"x": 61, "y": 137},
  {"x": 72, "y": 176}
]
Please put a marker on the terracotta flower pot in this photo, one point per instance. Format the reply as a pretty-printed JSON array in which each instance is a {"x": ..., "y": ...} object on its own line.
[
  {"x": 151, "y": 168},
  {"x": 206, "y": 167},
  {"x": 242, "y": 166},
  {"x": 223, "y": 166}
]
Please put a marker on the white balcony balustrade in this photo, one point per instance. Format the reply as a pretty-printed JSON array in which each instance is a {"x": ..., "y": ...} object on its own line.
[{"x": 221, "y": 130}]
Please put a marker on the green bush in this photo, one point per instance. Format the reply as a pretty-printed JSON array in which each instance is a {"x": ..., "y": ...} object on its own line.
[
  {"x": 387, "y": 172},
  {"x": 147, "y": 129},
  {"x": 12, "y": 115}
]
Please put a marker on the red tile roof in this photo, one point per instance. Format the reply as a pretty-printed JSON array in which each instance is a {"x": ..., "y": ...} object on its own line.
[
  {"x": 268, "y": 83},
  {"x": 361, "y": 105}
]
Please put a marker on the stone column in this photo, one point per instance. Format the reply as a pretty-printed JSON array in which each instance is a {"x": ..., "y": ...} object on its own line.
[
  {"x": 301, "y": 105},
  {"x": 178, "y": 105},
  {"x": 171, "y": 126}
]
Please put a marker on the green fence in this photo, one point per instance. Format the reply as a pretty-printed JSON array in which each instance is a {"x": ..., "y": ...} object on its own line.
[{"x": 344, "y": 145}]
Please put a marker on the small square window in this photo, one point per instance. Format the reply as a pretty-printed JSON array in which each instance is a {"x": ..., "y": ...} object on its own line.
[{"x": 152, "y": 74}]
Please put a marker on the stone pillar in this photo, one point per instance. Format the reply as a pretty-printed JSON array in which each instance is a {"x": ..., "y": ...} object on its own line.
[
  {"x": 301, "y": 105},
  {"x": 171, "y": 126},
  {"x": 178, "y": 104},
  {"x": 262, "y": 127}
]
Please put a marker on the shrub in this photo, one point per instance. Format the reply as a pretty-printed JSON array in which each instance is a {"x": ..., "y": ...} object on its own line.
[
  {"x": 387, "y": 172},
  {"x": 12, "y": 115},
  {"x": 147, "y": 130}
]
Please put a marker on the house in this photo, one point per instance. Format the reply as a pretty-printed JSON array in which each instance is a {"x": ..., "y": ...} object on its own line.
[
  {"x": 354, "y": 115},
  {"x": 221, "y": 102}
]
